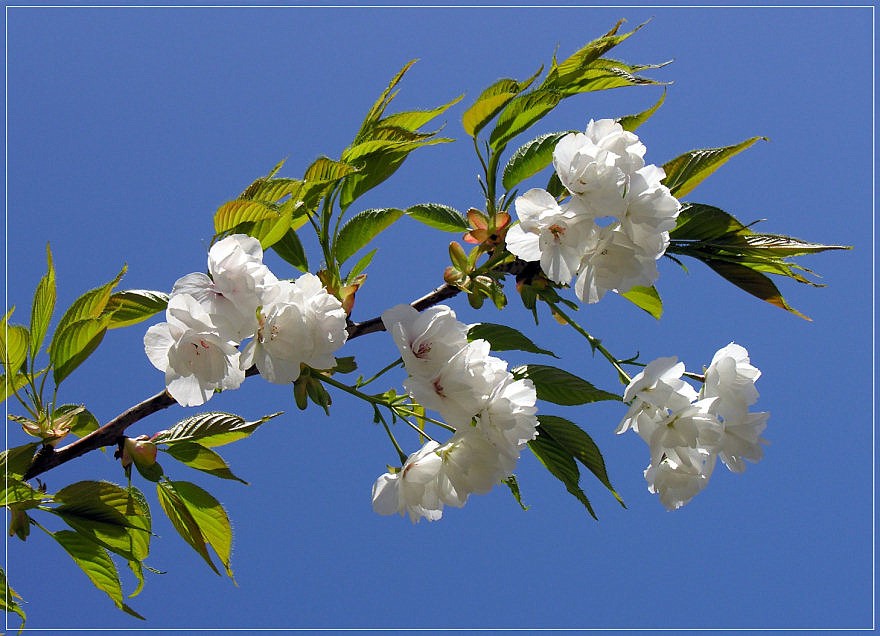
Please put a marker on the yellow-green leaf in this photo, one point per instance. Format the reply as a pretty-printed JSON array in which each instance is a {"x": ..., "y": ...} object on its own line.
[
  {"x": 202, "y": 458},
  {"x": 43, "y": 305},
  {"x": 687, "y": 171}
]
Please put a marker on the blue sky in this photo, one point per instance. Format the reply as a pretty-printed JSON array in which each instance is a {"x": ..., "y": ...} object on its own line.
[{"x": 127, "y": 127}]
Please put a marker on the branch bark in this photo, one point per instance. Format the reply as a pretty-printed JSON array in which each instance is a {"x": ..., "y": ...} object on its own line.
[{"x": 111, "y": 433}]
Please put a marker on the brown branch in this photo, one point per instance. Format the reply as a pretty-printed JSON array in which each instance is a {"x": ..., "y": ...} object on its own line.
[{"x": 111, "y": 433}]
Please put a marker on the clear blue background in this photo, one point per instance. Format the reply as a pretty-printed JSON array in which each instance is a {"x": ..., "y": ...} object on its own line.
[{"x": 127, "y": 128}]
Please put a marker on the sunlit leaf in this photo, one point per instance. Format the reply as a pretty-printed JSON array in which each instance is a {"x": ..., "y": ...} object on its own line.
[
  {"x": 439, "y": 217},
  {"x": 490, "y": 102},
  {"x": 291, "y": 250},
  {"x": 97, "y": 565},
  {"x": 43, "y": 305},
  {"x": 234, "y": 213},
  {"x": 632, "y": 122},
  {"x": 14, "y": 343},
  {"x": 132, "y": 306},
  {"x": 211, "y": 519},
  {"x": 520, "y": 113},
  {"x": 210, "y": 429},
  {"x": 19, "y": 492},
  {"x": 645, "y": 298},
  {"x": 361, "y": 229},
  {"x": 15, "y": 461},
  {"x": 10, "y": 598},
  {"x": 182, "y": 520},
  {"x": 201, "y": 458},
  {"x": 530, "y": 158},
  {"x": 686, "y": 172},
  {"x": 755, "y": 283},
  {"x": 73, "y": 344},
  {"x": 91, "y": 305}
]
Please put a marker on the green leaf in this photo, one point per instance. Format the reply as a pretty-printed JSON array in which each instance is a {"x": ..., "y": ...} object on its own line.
[
  {"x": 91, "y": 305},
  {"x": 414, "y": 119},
  {"x": 132, "y": 306},
  {"x": 568, "y": 71},
  {"x": 271, "y": 190},
  {"x": 753, "y": 282},
  {"x": 19, "y": 492},
  {"x": 182, "y": 519},
  {"x": 632, "y": 122},
  {"x": 14, "y": 462},
  {"x": 289, "y": 248},
  {"x": 361, "y": 229},
  {"x": 579, "y": 444},
  {"x": 504, "y": 338},
  {"x": 14, "y": 344},
  {"x": 73, "y": 344},
  {"x": 529, "y": 159},
  {"x": 561, "y": 465},
  {"x": 378, "y": 108},
  {"x": 561, "y": 387},
  {"x": 439, "y": 217},
  {"x": 233, "y": 214},
  {"x": 109, "y": 515},
  {"x": 97, "y": 565},
  {"x": 211, "y": 519},
  {"x": 11, "y": 386},
  {"x": 513, "y": 485},
  {"x": 8, "y": 601},
  {"x": 201, "y": 458},
  {"x": 83, "y": 422},
  {"x": 490, "y": 102},
  {"x": 699, "y": 222},
  {"x": 210, "y": 429},
  {"x": 362, "y": 264},
  {"x": 686, "y": 172},
  {"x": 520, "y": 113},
  {"x": 605, "y": 74},
  {"x": 43, "y": 305},
  {"x": 645, "y": 298}
]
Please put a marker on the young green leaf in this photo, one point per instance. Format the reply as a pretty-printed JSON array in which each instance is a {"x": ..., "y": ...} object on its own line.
[
  {"x": 699, "y": 222},
  {"x": 8, "y": 602},
  {"x": 233, "y": 214},
  {"x": 132, "y": 306},
  {"x": 513, "y": 485},
  {"x": 182, "y": 520},
  {"x": 210, "y": 429},
  {"x": 92, "y": 304},
  {"x": 14, "y": 345},
  {"x": 361, "y": 229},
  {"x": 687, "y": 171},
  {"x": 753, "y": 282},
  {"x": 201, "y": 458},
  {"x": 97, "y": 565},
  {"x": 646, "y": 298},
  {"x": 74, "y": 343},
  {"x": 520, "y": 113},
  {"x": 15, "y": 461},
  {"x": 579, "y": 444},
  {"x": 414, "y": 119},
  {"x": 378, "y": 109},
  {"x": 439, "y": 217},
  {"x": 19, "y": 492},
  {"x": 11, "y": 385},
  {"x": 561, "y": 465},
  {"x": 530, "y": 158},
  {"x": 632, "y": 122},
  {"x": 43, "y": 305},
  {"x": 561, "y": 387},
  {"x": 211, "y": 518},
  {"x": 490, "y": 102},
  {"x": 504, "y": 338}
]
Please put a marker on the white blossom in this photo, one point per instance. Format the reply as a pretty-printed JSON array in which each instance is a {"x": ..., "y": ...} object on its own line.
[
  {"x": 680, "y": 476},
  {"x": 413, "y": 489},
  {"x": 462, "y": 387},
  {"x": 299, "y": 324},
  {"x": 234, "y": 286},
  {"x": 426, "y": 339},
  {"x": 657, "y": 387},
  {"x": 742, "y": 440},
  {"x": 508, "y": 421},
  {"x": 693, "y": 427},
  {"x": 731, "y": 377},
  {"x": 189, "y": 349},
  {"x": 472, "y": 464},
  {"x": 613, "y": 263}
]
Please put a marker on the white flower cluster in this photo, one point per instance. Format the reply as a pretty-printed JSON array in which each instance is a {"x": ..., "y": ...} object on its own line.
[
  {"x": 493, "y": 415},
  {"x": 687, "y": 431},
  {"x": 209, "y": 315},
  {"x": 615, "y": 224}
]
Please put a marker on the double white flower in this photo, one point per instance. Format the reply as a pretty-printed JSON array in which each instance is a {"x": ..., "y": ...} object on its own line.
[
  {"x": 492, "y": 412},
  {"x": 614, "y": 226},
  {"x": 687, "y": 431},
  {"x": 209, "y": 315}
]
